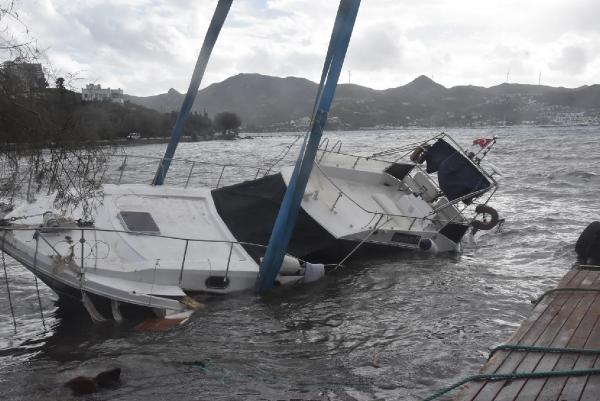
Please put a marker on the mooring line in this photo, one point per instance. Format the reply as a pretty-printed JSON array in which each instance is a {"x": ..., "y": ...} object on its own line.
[{"x": 375, "y": 228}]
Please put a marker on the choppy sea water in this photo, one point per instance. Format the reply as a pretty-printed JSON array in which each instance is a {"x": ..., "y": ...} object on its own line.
[{"x": 393, "y": 328}]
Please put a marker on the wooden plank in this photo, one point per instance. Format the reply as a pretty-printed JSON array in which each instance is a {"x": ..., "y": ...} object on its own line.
[
  {"x": 574, "y": 334},
  {"x": 591, "y": 390},
  {"x": 555, "y": 388},
  {"x": 527, "y": 334},
  {"x": 584, "y": 362},
  {"x": 572, "y": 387},
  {"x": 526, "y": 362}
]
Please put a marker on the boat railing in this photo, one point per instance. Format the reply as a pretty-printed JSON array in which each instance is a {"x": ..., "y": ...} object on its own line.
[
  {"x": 341, "y": 194},
  {"x": 416, "y": 168},
  {"x": 211, "y": 174},
  {"x": 39, "y": 234},
  {"x": 183, "y": 171},
  {"x": 324, "y": 147}
]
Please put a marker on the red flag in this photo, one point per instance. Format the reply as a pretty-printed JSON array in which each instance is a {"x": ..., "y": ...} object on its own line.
[{"x": 483, "y": 142}]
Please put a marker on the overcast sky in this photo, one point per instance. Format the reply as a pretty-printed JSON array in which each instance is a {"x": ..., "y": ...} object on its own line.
[{"x": 149, "y": 46}]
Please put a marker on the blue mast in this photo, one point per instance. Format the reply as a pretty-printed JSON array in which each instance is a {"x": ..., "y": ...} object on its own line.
[
  {"x": 290, "y": 206},
  {"x": 209, "y": 42}
]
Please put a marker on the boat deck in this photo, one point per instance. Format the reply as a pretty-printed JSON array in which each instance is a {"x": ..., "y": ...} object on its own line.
[{"x": 567, "y": 318}]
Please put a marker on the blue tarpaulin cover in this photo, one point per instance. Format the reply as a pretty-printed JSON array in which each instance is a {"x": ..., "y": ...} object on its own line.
[{"x": 457, "y": 176}]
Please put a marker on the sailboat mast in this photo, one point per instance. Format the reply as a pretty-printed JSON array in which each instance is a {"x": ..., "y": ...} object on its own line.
[
  {"x": 210, "y": 39},
  {"x": 290, "y": 206}
]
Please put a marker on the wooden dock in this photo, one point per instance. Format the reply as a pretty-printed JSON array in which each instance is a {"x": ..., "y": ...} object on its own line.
[{"x": 567, "y": 318}]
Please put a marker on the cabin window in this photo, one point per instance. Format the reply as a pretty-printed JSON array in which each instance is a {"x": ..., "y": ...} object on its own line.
[
  {"x": 139, "y": 222},
  {"x": 399, "y": 170}
]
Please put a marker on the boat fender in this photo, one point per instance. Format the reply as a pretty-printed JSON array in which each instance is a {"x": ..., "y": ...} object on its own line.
[
  {"x": 485, "y": 225},
  {"x": 313, "y": 272},
  {"x": 418, "y": 155},
  {"x": 588, "y": 244},
  {"x": 427, "y": 245},
  {"x": 290, "y": 266}
]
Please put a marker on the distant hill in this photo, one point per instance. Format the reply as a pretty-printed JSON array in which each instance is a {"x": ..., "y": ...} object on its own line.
[{"x": 266, "y": 102}]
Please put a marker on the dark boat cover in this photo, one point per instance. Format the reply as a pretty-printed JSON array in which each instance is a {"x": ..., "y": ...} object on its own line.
[
  {"x": 457, "y": 176},
  {"x": 249, "y": 210}
]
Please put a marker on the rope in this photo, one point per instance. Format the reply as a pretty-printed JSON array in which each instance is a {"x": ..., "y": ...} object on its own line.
[
  {"x": 531, "y": 348},
  {"x": 587, "y": 267},
  {"x": 282, "y": 155},
  {"x": 375, "y": 228},
  {"x": 566, "y": 289},
  {"x": 15, "y": 218},
  {"x": 513, "y": 376},
  {"x": 10, "y": 304}
]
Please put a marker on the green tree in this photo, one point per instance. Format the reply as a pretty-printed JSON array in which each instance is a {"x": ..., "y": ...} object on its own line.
[
  {"x": 60, "y": 83},
  {"x": 227, "y": 123}
]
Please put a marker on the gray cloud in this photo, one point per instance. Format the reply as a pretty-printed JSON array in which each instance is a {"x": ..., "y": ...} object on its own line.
[
  {"x": 572, "y": 60},
  {"x": 148, "y": 46},
  {"x": 376, "y": 48}
]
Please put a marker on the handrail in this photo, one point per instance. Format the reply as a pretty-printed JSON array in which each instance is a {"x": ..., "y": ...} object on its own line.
[
  {"x": 218, "y": 176},
  {"x": 110, "y": 230},
  {"x": 341, "y": 192},
  {"x": 38, "y": 229},
  {"x": 338, "y": 143},
  {"x": 127, "y": 155}
]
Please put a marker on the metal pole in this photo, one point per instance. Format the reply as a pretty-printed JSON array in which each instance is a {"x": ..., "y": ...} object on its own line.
[
  {"x": 183, "y": 262},
  {"x": 207, "y": 46},
  {"x": 12, "y": 311},
  {"x": 190, "y": 174},
  {"x": 336, "y": 201},
  {"x": 228, "y": 260},
  {"x": 36, "y": 235},
  {"x": 221, "y": 176},
  {"x": 122, "y": 168},
  {"x": 82, "y": 267}
]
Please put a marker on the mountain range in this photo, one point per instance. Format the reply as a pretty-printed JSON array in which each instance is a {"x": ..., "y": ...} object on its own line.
[{"x": 273, "y": 103}]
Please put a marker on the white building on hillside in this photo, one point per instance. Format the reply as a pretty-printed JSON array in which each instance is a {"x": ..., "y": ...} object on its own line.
[{"x": 95, "y": 93}]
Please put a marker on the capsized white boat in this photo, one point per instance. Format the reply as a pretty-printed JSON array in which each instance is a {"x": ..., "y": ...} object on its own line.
[{"x": 153, "y": 246}]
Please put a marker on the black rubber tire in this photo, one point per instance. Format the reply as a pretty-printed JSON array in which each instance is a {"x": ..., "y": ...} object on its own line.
[
  {"x": 488, "y": 225},
  {"x": 588, "y": 244}
]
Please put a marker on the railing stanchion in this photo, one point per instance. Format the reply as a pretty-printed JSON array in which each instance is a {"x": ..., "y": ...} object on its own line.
[
  {"x": 221, "y": 176},
  {"x": 190, "y": 174},
  {"x": 228, "y": 261},
  {"x": 122, "y": 169},
  {"x": 336, "y": 200},
  {"x": 183, "y": 262},
  {"x": 82, "y": 267}
]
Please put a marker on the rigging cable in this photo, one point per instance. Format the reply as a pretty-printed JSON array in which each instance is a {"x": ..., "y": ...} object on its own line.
[{"x": 375, "y": 228}]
